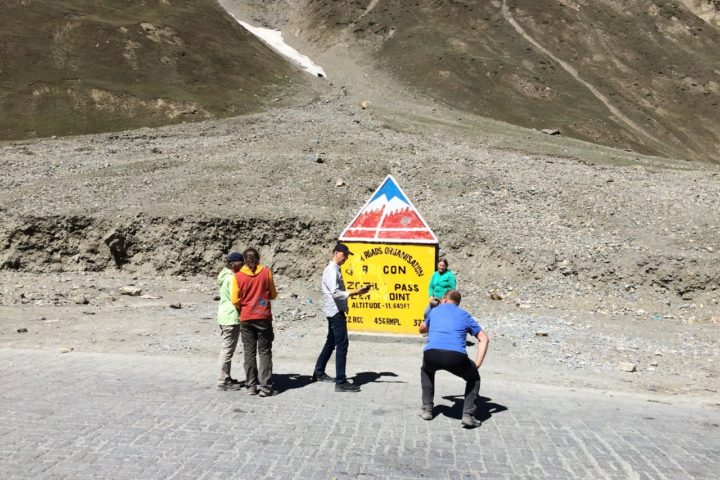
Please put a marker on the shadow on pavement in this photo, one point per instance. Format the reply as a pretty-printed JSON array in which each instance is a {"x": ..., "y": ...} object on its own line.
[
  {"x": 485, "y": 408},
  {"x": 362, "y": 378},
  {"x": 289, "y": 381}
]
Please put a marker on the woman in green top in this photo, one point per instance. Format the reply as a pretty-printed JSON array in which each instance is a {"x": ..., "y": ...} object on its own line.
[{"x": 441, "y": 281}]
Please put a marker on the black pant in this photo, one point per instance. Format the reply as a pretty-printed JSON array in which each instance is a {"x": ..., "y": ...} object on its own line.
[
  {"x": 337, "y": 339},
  {"x": 456, "y": 363}
]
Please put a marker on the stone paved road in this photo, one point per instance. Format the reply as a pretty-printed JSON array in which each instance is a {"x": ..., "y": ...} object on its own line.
[{"x": 82, "y": 415}]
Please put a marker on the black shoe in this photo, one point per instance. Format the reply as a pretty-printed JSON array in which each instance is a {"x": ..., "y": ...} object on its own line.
[
  {"x": 323, "y": 377},
  {"x": 229, "y": 384},
  {"x": 346, "y": 387},
  {"x": 469, "y": 421}
]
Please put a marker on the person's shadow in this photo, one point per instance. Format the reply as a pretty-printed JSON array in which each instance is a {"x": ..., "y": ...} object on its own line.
[
  {"x": 283, "y": 382},
  {"x": 485, "y": 408},
  {"x": 363, "y": 378}
]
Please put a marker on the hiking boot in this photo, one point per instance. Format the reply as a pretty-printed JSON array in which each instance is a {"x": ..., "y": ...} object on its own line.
[
  {"x": 323, "y": 377},
  {"x": 469, "y": 421},
  {"x": 229, "y": 384},
  {"x": 346, "y": 387},
  {"x": 253, "y": 390},
  {"x": 265, "y": 391},
  {"x": 426, "y": 414}
]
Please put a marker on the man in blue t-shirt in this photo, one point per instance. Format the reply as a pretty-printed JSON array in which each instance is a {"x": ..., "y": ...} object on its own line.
[{"x": 447, "y": 325}]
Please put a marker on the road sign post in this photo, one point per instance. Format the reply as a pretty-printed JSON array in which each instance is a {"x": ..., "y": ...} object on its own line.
[{"x": 395, "y": 252}]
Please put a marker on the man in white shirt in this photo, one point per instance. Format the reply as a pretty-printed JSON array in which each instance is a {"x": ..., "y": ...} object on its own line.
[{"x": 335, "y": 306}]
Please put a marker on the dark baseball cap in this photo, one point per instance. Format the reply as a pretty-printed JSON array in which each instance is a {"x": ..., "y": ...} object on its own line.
[
  {"x": 341, "y": 247},
  {"x": 235, "y": 257}
]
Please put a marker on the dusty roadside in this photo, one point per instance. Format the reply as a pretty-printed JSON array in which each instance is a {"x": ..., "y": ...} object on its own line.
[{"x": 176, "y": 316}]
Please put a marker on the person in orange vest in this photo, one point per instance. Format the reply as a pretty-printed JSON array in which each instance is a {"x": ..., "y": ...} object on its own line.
[{"x": 255, "y": 290}]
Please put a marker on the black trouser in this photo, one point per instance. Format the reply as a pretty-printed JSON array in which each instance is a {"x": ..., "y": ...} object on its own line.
[
  {"x": 456, "y": 363},
  {"x": 337, "y": 339}
]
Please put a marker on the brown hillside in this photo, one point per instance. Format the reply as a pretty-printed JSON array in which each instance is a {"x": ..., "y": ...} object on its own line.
[
  {"x": 639, "y": 74},
  {"x": 83, "y": 66}
]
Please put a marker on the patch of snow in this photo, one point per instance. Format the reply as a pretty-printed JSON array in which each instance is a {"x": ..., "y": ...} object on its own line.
[{"x": 274, "y": 39}]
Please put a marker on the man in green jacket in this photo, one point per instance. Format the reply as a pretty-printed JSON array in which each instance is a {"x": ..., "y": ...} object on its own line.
[{"x": 229, "y": 319}]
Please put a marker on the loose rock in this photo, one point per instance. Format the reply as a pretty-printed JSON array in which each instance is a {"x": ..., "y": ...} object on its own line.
[
  {"x": 131, "y": 291},
  {"x": 81, "y": 300},
  {"x": 627, "y": 367}
]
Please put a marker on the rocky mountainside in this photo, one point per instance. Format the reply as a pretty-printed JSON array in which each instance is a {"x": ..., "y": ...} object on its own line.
[
  {"x": 708, "y": 10},
  {"x": 82, "y": 66},
  {"x": 638, "y": 74}
]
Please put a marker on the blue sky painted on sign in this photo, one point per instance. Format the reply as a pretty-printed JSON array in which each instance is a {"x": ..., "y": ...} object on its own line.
[{"x": 390, "y": 190}]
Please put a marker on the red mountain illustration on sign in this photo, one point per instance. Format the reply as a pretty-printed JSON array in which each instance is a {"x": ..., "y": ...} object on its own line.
[
  {"x": 404, "y": 218},
  {"x": 368, "y": 219}
]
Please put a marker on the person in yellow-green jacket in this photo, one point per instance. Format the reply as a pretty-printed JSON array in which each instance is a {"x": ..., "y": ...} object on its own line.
[{"x": 229, "y": 319}]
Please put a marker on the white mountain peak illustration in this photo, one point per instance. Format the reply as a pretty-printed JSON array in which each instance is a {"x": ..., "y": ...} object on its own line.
[
  {"x": 396, "y": 204},
  {"x": 377, "y": 204}
]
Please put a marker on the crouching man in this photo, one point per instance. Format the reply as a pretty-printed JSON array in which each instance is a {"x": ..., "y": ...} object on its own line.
[{"x": 446, "y": 326}]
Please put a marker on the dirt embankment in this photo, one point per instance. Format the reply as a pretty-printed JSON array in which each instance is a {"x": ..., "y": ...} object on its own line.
[{"x": 176, "y": 246}]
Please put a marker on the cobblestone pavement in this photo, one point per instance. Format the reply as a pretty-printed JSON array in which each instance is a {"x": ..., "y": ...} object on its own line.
[{"x": 82, "y": 415}]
